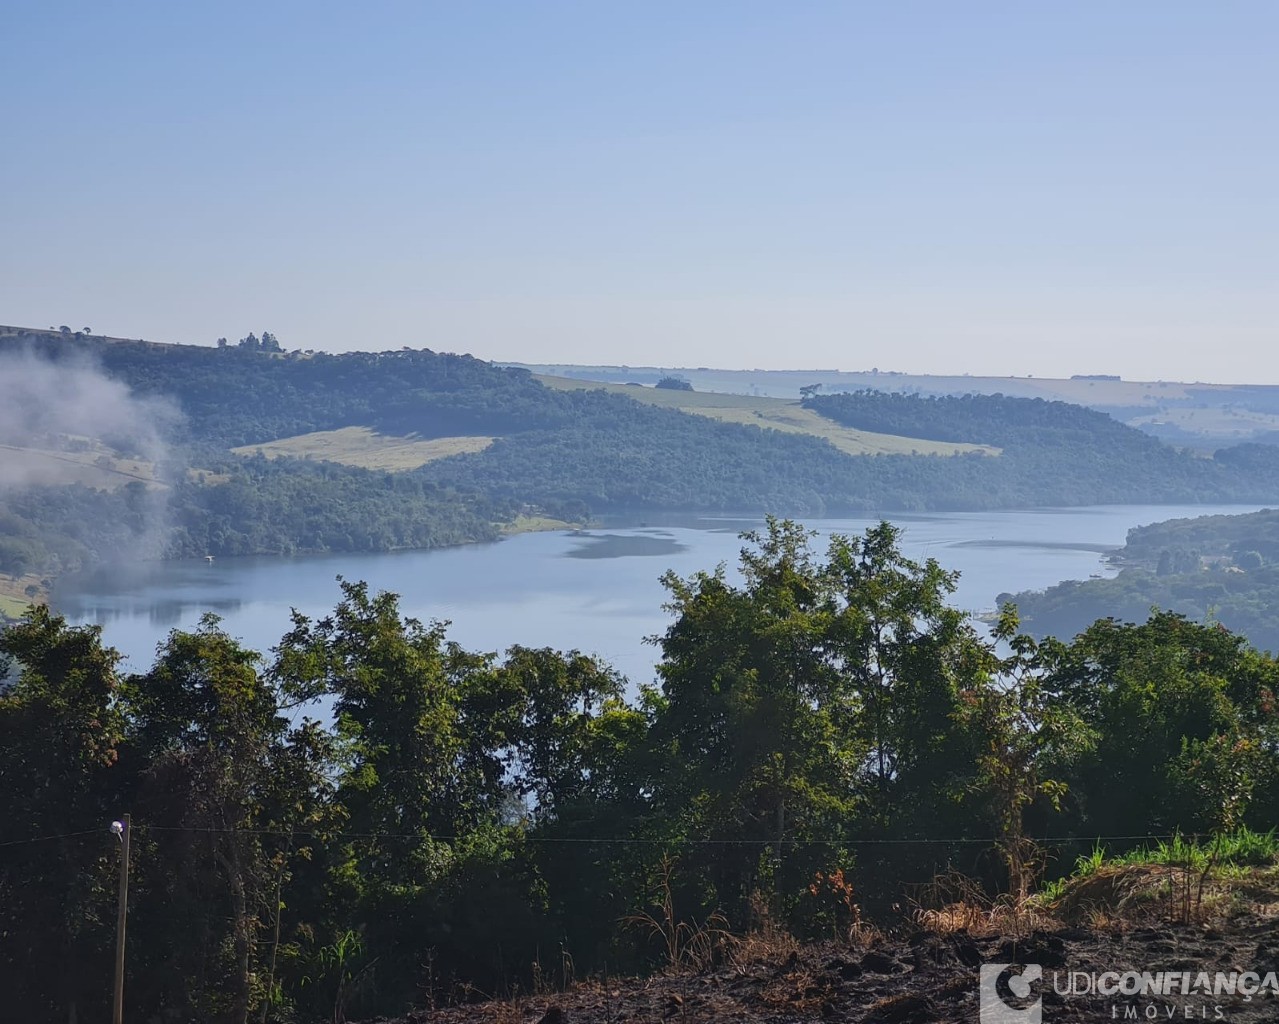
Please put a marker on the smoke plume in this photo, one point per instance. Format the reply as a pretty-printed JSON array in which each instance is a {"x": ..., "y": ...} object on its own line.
[
  {"x": 66, "y": 422},
  {"x": 74, "y": 410}
]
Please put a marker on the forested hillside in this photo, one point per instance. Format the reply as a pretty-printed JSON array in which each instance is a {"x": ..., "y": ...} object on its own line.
[
  {"x": 828, "y": 736},
  {"x": 1052, "y": 454},
  {"x": 240, "y": 395},
  {"x": 1052, "y": 450},
  {"x": 558, "y": 452},
  {"x": 1214, "y": 568}
]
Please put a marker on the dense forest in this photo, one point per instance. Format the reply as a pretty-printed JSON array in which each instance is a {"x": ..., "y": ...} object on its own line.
[
  {"x": 240, "y": 395},
  {"x": 260, "y": 506},
  {"x": 825, "y": 733},
  {"x": 1213, "y": 568},
  {"x": 566, "y": 454},
  {"x": 1052, "y": 454},
  {"x": 1056, "y": 453}
]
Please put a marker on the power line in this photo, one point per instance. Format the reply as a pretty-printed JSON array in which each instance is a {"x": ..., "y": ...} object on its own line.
[
  {"x": 637, "y": 840},
  {"x": 599, "y": 840},
  {"x": 49, "y": 839}
]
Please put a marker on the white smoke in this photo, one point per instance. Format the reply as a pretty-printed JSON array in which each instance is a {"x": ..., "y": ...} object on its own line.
[{"x": 58, "y": 417}]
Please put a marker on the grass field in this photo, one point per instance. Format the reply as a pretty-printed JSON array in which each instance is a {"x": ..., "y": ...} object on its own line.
[
  {"x": 777, "y": 414},
  {"x": 786, "y": 383},
  {"x": 206, "y": 476},
  {"x": 361, "y": 446},
  {"x": 94, "y": 467},
  {"x": 13, "y": 607},
  {"x": 1222, "y": 422},
  {"x": 14, "y": 598},
  {"x": 534, "y": 524}
]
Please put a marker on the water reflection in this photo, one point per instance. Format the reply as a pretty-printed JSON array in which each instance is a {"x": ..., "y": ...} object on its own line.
[
  {"x": 641, "y": 543},
  {"x": 167, "y": 613},
  {"x": 1043, "y": 545}
]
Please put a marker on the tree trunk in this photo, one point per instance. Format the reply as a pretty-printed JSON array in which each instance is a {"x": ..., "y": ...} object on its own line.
[{"x": 242, "y": 940}]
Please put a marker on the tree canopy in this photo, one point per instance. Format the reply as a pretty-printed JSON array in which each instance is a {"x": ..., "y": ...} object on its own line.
[{"x": 823, "y": 719}]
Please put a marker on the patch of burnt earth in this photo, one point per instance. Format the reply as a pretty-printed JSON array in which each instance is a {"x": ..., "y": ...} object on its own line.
[{"x": 922, "y": 978}]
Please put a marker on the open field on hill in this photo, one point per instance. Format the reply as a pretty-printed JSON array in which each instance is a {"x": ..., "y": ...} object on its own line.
[
  {"x": 12, "y": 606},
  {"x": 17, "y": 592},
  {"x": 777, "y": 414},
  {"x": 364, "y": 447},
  {"x": 94, "y": 467},
  {"x": 535, "y": 524},
  {"x": 1225, "y": 422},
  {"x": 1082, "y": 390}
]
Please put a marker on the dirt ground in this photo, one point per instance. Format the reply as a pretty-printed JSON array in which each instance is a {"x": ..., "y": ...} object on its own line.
[{"x": 925, "y": 978}]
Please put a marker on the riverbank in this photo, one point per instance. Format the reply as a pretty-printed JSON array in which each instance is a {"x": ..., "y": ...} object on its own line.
[
  {"x": 19, "y": 592},
  {"x": 536, "y": 524}
]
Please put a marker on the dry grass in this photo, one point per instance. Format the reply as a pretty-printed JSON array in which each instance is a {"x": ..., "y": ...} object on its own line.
[
  {"x": 777, "y": 414},
  {"x": 95, "y": 467},
  {"x": 1124, "y": 895},
  {"x": 13, "y": 607},
  {"x": 1212, "y": 421},
  {"x": 800, "y": 992},
  {"x": 364, "y": 447},
  {"x": 954, "y": 902},
  {"x": 686, "y": 945},
  {"x": 17, "y": 592},
  {"x": 207, "y": 477},
  {"x": 534, "y": 524},
  {"x": 766, "y": 941}
]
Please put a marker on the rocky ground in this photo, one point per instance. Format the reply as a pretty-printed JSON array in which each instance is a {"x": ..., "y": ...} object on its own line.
[{"x": 928, "y": 977}]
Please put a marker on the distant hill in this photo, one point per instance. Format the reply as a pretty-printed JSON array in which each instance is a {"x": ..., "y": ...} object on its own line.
[
  {"x": 1051, "y": 453},
  {"x": 1222, "y": 568},
  {"x": 777, "y": 414},
  {"x": 1203, "y": 415},
  {"x": 440, "y": 448}
]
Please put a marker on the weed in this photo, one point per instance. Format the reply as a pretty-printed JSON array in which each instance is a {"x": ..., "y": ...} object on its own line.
[
  {"x": 687, "y": 945},
  {"x": 766, "y": 941},
  {"x": 954, "y": 902},
  {"x": 833, "y": 905}
]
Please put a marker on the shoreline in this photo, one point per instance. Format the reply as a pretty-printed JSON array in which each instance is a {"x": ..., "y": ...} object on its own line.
[{"x": 14, "y": 598}]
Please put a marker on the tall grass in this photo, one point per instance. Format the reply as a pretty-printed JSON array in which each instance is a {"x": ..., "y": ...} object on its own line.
[{"x": 1241, "y": 848}]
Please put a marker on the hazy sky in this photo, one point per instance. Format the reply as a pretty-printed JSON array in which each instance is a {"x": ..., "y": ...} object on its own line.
[{"x": 1015, "y": 187}]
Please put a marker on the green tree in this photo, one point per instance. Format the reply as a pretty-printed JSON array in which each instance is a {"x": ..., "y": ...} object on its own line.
[
  {"x": 1160, "y": 696},
  {"x": 60, "y": 735},
  {"x": 223, "y": 780},
  {"x": 747, "y": 745},
  {"x": 422, "y": 786},
  {"x": 1029, "y": 740}
]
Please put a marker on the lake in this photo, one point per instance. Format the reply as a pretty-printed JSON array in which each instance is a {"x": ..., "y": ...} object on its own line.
[{"x": 597, "y": 590}]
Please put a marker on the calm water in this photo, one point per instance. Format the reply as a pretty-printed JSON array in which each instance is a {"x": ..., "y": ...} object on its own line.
[{"x": 597, "y": 591}]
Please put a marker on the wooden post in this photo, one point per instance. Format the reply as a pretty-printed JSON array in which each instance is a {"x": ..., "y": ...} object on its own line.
[{"x": 117, "y": 1012}]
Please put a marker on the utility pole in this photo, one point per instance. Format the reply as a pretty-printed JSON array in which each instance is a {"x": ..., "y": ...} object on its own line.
[{"x": 117, "y": 1012}]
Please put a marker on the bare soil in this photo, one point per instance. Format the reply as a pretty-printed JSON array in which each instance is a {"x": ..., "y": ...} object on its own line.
[{"x": 924, "y": 978}]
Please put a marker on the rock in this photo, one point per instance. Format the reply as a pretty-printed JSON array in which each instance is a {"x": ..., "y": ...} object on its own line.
[
  {"x": 880, "y": 963},
  {"x": 1036, "y": 948},
  {"x": 965, "y": 949}
]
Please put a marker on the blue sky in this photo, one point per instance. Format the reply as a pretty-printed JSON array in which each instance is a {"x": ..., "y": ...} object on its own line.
[{"x": 921, "y": 186}]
